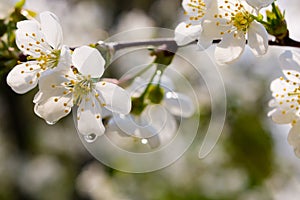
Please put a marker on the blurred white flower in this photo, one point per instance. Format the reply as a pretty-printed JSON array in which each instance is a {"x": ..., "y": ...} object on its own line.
[
  {"x": 61, "y": 90},
  {"x": 232, "y": 23},
  {"x": 258, "y": 4},
  {"x": 156, "y": 124},
  {"x": 5, "y": 7},
  {"x": 94, "y": 182},
  {"x": 190, "y": 30},
  {"x": 42, "y": 42},
  {"x": 286, "y": 93},
  {"x": 40, "y": 173}
]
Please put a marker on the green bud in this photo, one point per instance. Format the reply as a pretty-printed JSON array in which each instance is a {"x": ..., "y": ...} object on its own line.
[
  {"x": 20, "y": 4},
  {"x": 276, "y": 23},
  {"x": 137, "y": 105},
  {"x": 163, "y": 56},
  {"x": 156, "y": 94}
]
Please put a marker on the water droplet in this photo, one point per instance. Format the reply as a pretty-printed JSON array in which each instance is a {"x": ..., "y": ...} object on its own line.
[
  {"x": 144, "y": 141},
  {"x": 51, "y": 123},
  {"x": 90, "y": 138}
]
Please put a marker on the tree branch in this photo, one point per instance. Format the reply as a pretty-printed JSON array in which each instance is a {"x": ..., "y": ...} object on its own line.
[{"x": 172, "y": 45}]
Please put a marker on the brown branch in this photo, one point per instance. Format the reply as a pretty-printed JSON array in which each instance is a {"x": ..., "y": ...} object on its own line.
[{"x": 172, "y": 45}]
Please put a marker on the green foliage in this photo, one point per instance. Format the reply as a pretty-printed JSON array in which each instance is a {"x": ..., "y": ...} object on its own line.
[
  {"x": 9, "y": 53},
  {"x": 250, "y": 145},
  {"x": 276, "y": 24}
]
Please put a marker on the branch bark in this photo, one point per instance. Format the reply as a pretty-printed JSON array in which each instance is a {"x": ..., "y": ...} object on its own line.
[{"x": 172, "y": 45}]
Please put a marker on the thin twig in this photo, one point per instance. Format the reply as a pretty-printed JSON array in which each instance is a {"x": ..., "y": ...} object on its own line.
[{"x": 172, "y": 45}]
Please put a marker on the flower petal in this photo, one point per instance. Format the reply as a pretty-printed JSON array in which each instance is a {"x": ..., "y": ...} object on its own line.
[
  {"x": 53, "y": 108},
  {"x": 185, "y": 34},
  {"x": 258, "y": 38},
  {"x": 230, "y": 48},
  {"x": 24, "y": 77},
  {"x": 179, "y": 104},
  {"x": 281, "y": 86},
  {"x": 52, "y": 30},
  {"x": 290, "y": 64},
  {"x": 115, "y": 98},
  {"x": 294, "y": 138},
  {"x": 30, "y": 40},
  {"x": 258, "y": 4},
  {"x": 52, "y": 83},
  {"x": 124, "y": 123},
  {"x": 30, "y": 26},
  {"x": 162, "y": 126},
  {"x": 282, "y": 117},
  {"x": 89, "y": 117},
  {"x": 88, "y": 61}
]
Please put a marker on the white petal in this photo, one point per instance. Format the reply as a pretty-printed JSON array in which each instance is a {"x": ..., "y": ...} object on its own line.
[
  {"x": 258, "y": 38},
  {"x": 185, "y": 35},
  {"x": 282, "y": 117},
  {"x": 125, "y": 124},
  {"x": 272, "y": 103},
  {"x": 53, "y": 108},
  {"x": 279, "y": 86},
  {"x": 28, "y": 26},
  {"x": 51, "y": 29},
  {"x": 290, "y": 64},
  {"x": 230, "y": 48},
  {"x": 88, "y": 61},
  {"x": 162, "y": 127},
  {"x": 294, "y": 138},
  {"x": 258, "y": 4},
  {"x": 179, "y": 104},
  {"x": 210, "y": 32},
  {"x": 53, "y": 81},
  {"x": 89, "y": 118},
  {"x": 191, "y": 11},
  {"x": 115, "y": 98},
  {"x": 24, "y": 77},
  {"x": 37, "y": 97},
  {"x": 30, "y": 39}
]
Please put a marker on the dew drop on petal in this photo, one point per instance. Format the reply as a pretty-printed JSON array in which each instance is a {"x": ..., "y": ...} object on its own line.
[
  {"x": 90, "y": 138},
  {"x": 144, "y": 141},
  {"x": 51, "y": 123}
]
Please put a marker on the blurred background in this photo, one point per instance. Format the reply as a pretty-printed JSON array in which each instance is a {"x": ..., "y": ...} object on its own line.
[{"x": 252, "y": 159}]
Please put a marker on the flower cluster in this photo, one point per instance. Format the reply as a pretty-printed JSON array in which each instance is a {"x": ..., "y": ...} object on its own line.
[
  {"x": 230, "y": 21},
  {"x": 286, "y": 93},
  {"x": 65, "y": 78}
]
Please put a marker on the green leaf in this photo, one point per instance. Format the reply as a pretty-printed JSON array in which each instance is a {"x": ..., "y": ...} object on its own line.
[{"x": 20, "y": 4}]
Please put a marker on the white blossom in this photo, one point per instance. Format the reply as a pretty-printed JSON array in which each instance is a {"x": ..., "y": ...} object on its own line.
[
  {"x": 286, "y": 90},
  {"x": 61, "y": 90},
  {"x": 286, "y": 93},
  {"x": 156, "y": 125},
  {"x": 42, "y": 43},
  {"x": 190, "y": 30},
  {"x": 233, "y": 23}
]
